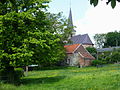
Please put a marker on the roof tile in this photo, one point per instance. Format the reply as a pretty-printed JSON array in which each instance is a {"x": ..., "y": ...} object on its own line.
[
  {"x": 71, "y": 48},
  {"x": 81, "y": 50}
]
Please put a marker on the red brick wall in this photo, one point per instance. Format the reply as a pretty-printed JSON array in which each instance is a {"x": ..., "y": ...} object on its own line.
[{"x": 85, "y": 62}]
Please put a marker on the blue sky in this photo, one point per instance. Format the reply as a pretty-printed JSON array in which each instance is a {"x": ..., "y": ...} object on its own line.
[
  {"x": 78, "y": 7},
  {"x": 89, "y": 19}
]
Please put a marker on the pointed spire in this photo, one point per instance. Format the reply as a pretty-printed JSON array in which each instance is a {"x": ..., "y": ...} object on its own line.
[{"x": 70, "y": 22}]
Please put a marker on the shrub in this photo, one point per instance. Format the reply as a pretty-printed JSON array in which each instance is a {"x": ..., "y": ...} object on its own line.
[
  {"x": 108, "y": 60},
  {"x": 19, "y": 72},
  {"x": 11, "y": 77},
  {"x": 92, "y": 51},
  {"x": 3, "y": 75},
  {"x": 97, "y": 62},
  {"x": 115, "y": 57},
  {"x": 105, "y": 57}
]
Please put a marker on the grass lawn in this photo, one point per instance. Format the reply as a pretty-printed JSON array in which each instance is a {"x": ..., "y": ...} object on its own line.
[{"x": 71, "y": 78}]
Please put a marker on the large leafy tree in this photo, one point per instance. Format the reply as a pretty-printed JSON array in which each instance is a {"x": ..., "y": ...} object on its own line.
[
  {"x": 112, "y": 39},
  {"x": 109, "y": 39},
  {"x": 28, "y": 35}
]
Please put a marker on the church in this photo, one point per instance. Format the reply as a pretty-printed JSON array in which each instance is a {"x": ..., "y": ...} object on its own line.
[{"x": 77, "y": 55}]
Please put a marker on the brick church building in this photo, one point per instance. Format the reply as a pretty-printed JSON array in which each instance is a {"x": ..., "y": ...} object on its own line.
[{"x": 77, "y": 55}]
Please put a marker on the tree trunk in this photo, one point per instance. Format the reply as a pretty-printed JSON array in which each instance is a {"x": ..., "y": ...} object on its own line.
[{"x": 26, "y": 74}]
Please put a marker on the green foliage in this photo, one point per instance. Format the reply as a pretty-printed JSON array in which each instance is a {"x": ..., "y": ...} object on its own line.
[
  {"x": 105, "y": 57},
  {"x": 19, "y": 73},
  {"x": 115, "y": 57},
  {"x": 108, "y": 59},
  {"x": 11, "y": 77},
  {"x": 97, "y": 62},
  {"x": 59, "y": 25},
  {"x": 113, "y": 2},
  {"x": 3, "y": 75},
  {"x": 92, "y": 51},
  {"x": 14, "y": 39},
  {"x": 110, "y": 56},
  {"x": 112, "y": 39},
  {"x": 21, "y": 5},
  {"x": 99, "y": 40},
  {"x": 30, "y": 35},
  {"x": 94, "y": 2},
  {"x": 107, "y": 40}
]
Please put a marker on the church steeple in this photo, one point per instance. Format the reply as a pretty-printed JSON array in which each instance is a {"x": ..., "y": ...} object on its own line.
[{"x": 70, "y": 23}]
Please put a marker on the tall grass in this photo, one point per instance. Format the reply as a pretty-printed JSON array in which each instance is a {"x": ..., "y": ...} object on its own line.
[{"x": 72, "y": 78}]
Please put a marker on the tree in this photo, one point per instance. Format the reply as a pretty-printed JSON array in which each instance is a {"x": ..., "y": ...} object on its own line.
[
  {"x": 27, "y": 35},
  {"x": 59, "y": 25},
  {"x": 112, "y": 39},
  {"x": 113, "y": 2},
  {"x": 107, "y": 40},
  {"x": 99, "y": 40}
]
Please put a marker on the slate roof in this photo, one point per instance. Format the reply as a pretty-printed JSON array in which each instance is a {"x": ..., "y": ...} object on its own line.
[
  {"x": 81, "y": 39},
  {"x": 82, "y": 51},
  {"x": 107, "y": 49}
]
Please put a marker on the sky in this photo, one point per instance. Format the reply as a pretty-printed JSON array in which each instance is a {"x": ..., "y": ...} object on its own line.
[{"x": 87, "y": 18}]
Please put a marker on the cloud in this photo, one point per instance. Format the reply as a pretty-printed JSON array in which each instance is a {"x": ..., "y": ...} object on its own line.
[{"x": 99, "y": 19}]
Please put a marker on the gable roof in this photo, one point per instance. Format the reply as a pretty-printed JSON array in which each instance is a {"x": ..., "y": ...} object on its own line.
[
  {"x": 81, "y": 39},
  {"x": 84, "y": 53},
  {"x": 71, "y": 48},
  {"x": 78, "y": 48}
]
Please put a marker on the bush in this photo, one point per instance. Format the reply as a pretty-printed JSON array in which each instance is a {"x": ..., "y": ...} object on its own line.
[
  {"x": 3, "y": 75},
  {"x": 97, "y": 62},
  {"x": 115, "y": 57},
  {"x": 92, "y": 51},
  {"x": 19, "y": 72},
  {"x": 11, "y": 77},
  {"x": 108, "y": 60}
]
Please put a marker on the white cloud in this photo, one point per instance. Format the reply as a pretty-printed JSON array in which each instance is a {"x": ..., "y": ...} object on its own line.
[{"x": 99, "y": 19}]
